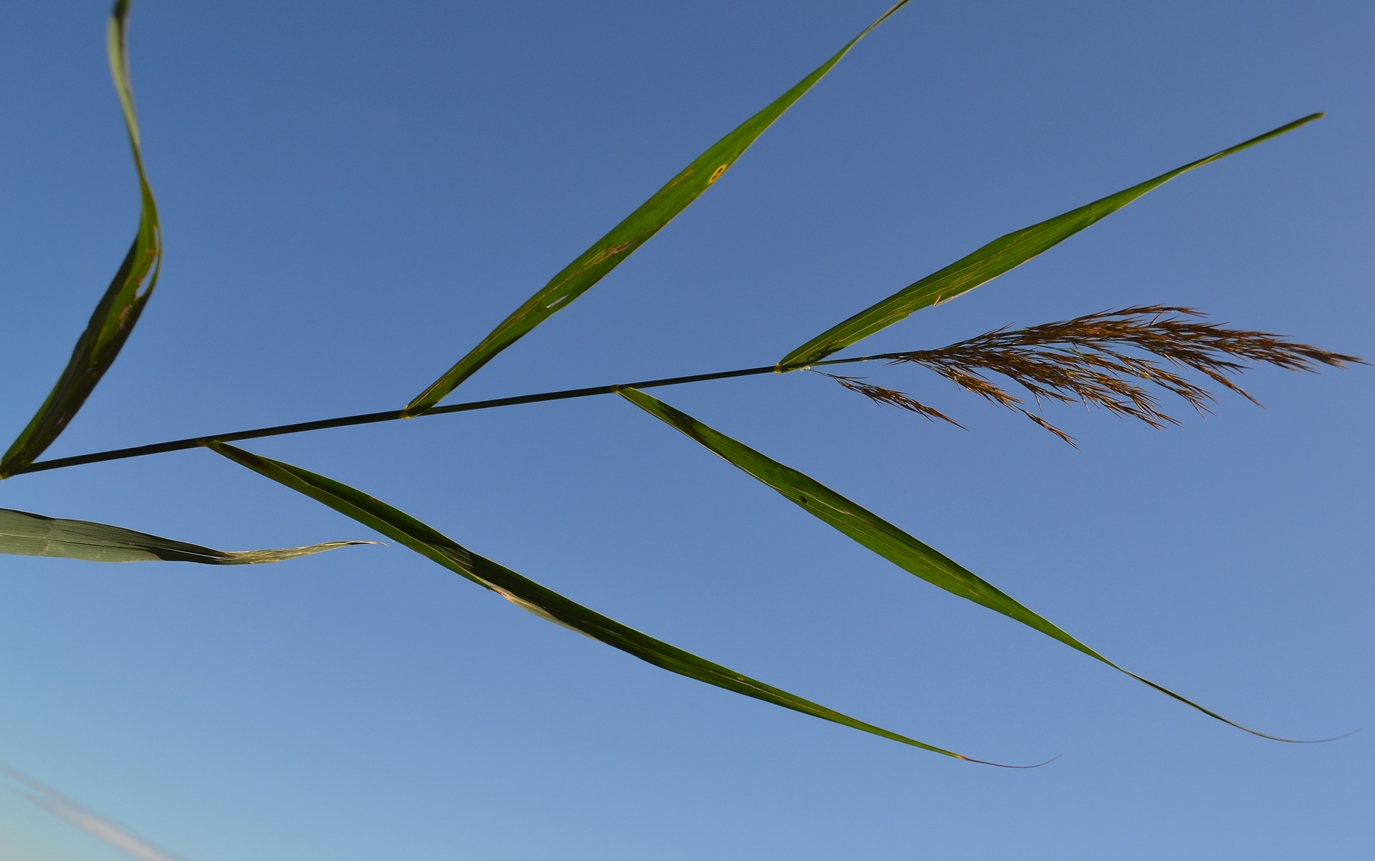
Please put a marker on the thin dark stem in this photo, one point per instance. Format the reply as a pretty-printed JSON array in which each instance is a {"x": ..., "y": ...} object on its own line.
[
  {"x": 1077, "y": 359},
  {"x": 391, "y": 415}
]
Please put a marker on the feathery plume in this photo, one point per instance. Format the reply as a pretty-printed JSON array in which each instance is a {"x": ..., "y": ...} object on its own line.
[{"x": 1086, "y": 360}]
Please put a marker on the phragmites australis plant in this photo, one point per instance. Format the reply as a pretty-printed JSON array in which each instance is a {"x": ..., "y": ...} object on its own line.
[{"x": 1129, "y": 362}]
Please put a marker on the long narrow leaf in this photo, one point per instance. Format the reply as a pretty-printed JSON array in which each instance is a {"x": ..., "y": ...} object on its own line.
[
  {"x": 25, "y": 534},
  {"x": 119, "y": 308},
  {"x": 608, "y": 252},
  {"x": 531, "y": 596},
  {"x": 992, "y": 260},
  {"x": 877, "y": 534}
]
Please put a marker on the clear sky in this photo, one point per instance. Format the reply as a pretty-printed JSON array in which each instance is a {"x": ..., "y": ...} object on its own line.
[{"x": 354, "y": 193}]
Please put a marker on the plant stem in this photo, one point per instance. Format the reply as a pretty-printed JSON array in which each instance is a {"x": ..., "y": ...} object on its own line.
[{"x": 394, "y": 415}]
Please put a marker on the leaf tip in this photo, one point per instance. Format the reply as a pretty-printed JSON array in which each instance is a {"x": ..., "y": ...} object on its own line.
[{"x": 1004, "y": 765}]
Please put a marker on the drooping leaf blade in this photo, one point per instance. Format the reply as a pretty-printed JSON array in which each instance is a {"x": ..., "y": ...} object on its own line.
[
  {"x": 119, "y": 309},
  {"x": 608, "y": 252},
  {"x": 536, "y": 599},
  {"x": 877, "y": 534},
  {"x": 997, "y": 257},
  {"x": 25, "y": 534}
]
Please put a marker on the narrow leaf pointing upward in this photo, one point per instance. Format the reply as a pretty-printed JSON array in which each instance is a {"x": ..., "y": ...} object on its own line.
[
  {"x": 1001, "y": 255},
  {"x": 630, "y": 234},
  {"x": 119, "y": 309}
]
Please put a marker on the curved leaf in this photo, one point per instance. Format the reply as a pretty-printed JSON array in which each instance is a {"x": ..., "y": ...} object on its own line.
[
  {"x": 608, "y": 252},
  {"x": 990, "y": 261},
  {"x": 25, "y": 534},
  {"x": 529, "y": 595},
  {"x": 119, "y": 308},
  {"x": 877, "y": 534}
]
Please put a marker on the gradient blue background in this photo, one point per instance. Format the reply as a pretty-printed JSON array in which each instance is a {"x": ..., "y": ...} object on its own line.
[{"x": 354, "y": 193}]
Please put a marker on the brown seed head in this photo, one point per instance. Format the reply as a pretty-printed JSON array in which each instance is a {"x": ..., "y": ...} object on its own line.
[{"x": 1107, "y": 359}]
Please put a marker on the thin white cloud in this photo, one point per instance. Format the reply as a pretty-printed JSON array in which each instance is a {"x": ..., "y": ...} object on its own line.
[{"x": 86, "y": 819}]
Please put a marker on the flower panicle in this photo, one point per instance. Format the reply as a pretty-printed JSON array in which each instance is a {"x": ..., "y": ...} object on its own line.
[{"x": 1108, "y": 359}]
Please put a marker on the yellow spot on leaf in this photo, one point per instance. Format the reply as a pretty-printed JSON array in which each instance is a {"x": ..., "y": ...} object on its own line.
[{"x": 716, "y": 174}]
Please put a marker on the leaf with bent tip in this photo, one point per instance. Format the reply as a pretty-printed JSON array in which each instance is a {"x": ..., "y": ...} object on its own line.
[
  {"x": 630, "y": 234},
  {"x": 990, "y": 261},
  {"x": 529, "y": 595},
  {"x": 877, "y": 534},
  {"x": 25, "y": 534},
  {"x": 119, "y": 308}
]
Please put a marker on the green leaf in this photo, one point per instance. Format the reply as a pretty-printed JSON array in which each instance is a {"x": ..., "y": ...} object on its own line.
[
  {"x": 608, "y": 252},
  {"x": 25, "y": 534},
  {"x": 531, "y": 596},
  {"x": 119, "y": 308},
  {"x": 877, "y": 534},
  {"x": 990, "y": 261}
]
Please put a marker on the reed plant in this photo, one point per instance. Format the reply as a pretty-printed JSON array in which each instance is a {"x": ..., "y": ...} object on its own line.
[{"x": 1129, "y": 362}]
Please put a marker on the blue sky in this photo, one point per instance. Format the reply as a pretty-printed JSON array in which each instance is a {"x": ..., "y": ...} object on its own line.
[{"x": 352, "y": 196}]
